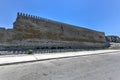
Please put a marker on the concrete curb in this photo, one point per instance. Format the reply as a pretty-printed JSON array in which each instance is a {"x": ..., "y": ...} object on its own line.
[{"x": 42, "y": 57}]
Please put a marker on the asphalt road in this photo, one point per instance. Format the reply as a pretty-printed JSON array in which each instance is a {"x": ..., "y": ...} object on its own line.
[{"x": 91, "y": 67}]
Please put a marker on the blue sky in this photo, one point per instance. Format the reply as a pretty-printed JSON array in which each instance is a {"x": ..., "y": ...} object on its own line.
[{"x": 100, "y": 15}]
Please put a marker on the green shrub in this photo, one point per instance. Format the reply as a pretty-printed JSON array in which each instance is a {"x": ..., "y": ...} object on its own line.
[{"x": 30, "y": 51}]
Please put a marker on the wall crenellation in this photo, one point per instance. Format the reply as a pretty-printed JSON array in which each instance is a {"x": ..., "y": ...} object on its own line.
[
  {"x": 37, "y": 19},
  {"x": 31, "y": 17},
  {"x": 28, "y": 16}
]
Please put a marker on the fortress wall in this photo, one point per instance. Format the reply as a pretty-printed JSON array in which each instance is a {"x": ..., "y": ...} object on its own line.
[
  {"x": 36, "y": 27},
  {"x": 82, "y": 34},
  {"x": 9, "y": 35},
  {"x": 2, "y": 34},
  {"x": 6, "y": 34},
  {"x": 32, "y": 31}
]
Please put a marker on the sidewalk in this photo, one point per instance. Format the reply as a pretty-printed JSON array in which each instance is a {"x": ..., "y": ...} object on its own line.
[{"x": 14, "y": 59}]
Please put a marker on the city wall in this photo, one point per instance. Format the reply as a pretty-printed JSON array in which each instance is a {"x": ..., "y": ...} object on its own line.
[{"x": 32, "y": 31}]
